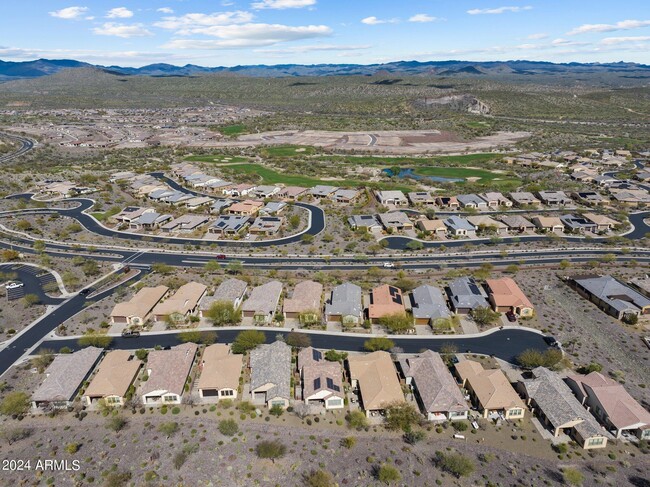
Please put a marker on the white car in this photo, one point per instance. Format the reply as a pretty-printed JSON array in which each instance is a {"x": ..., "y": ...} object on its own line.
[
  {"x": 389, "y": 265},
  {"x": 14, "y": 285}
]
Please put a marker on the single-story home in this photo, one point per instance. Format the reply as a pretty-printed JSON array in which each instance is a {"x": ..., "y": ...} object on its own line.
[
  {"x": 345, "y": 195},
  {"x": 137, "y": 310},
  {"x": 602, "y": 222},
  {"x": 394, "y": 198},
  {"x": 220, "y": 373},
  {"x": 292, "y": 193},
  {"x": 521, "y": 198},
  {"x": 265, "y": 191},
  {"x": 494, "y": 199},
  {"x": 436, "y": 227},
  {"x": 517, "y": 223},
  {"x": 486, "y": 223},
  {"x": 321, "y": 380},
  {"x": 184, "y": 302},
  {"x": 472, "y": 201},
  {"x": 374, "y": 376},
  {"x": 450, "y": 202},
  {"x": 185, "y": 223},
  {"x": 591, "y": 198},
  {"x": 220, "y": 205},
  {"x": 266, "y": 225},
  {"x": 428, "y": 306},
  {"x": 465, "y": 295},
  {"x": 322, "y": 191},
  {"x": 273, "y": 208},
  {"x": 113, "y": 379},
  {"x": 490, "y": 391},
  {"x": 395, "y": 220},
  {"x": 421, "y": 198},
  {"x": 262, "y": 302},
  {"x": 505, "y": 295},
  {"x": 554, "y": 198},
  {"x": 364, "y": 222},
  {"x": 270, "y": 374},
  {"x": 229, "y": 291},
  {"x": 548, "y": 223},
  {"x": 385, "y": 300},
  {"x": 245, "y": 208},
  {"x": 305, "y": 303},
  {"x": 460, "y": 227},
  {"x": 578, "y": 224},
  {"x": 168, "y": 372},
  {"x": 345, "y": 305},
  {"x": 228, "y": 225},
  {"x": 611, "y": 295}
]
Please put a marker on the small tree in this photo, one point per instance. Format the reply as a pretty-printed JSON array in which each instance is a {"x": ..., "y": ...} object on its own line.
[
  {"x": 571, "y": 476},
  {"x": 484, "y": 316},
  {"x": 12, "y": 435},
  {"x": 223, "y": 313},
  {"x": 531, "y": 358},
  {"x": 630, "y": 319},
  {"x": 348, "y": 442},
  {"x": 72, "y": 448},
  {"x": 270, "y": 449},
  {"x": 248, "y": 340},
  {"x": 42, "y": 360},
  {"x": 31, "y": 300},
  {"x": 193, "y": 336},
  {"x": 228, "y": 427},
  {"x": 168, "y": 429},
  {"x": 116, "y": 423},
  {"x": 387, "y": 474},
  {"x": 93, "y": 339},
  {"x": 455, "y": 464},
  {"x": 378, "y": 343},
  {"x": 357, "y": 420},
  {"x": 592, "y": 367},
  {"x": 162, "y": 268},
  {"x": 397, "y": 323},
  {"x": 415, "y": 245},
  {"x": 335, "y": 356},
  {"x": 296, "y": 339},
  {"x": 401, "y": 415},
  {"x": 413, "y": 437},
  {"x": 276, "y": 410},
  {"x": 319, "y": 478},
  {"x": 15, "y": 403},
  {"x": 142, "y": 354}
]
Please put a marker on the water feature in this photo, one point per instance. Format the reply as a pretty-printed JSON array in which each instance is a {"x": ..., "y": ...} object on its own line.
[{"x": 409, "y": 172}]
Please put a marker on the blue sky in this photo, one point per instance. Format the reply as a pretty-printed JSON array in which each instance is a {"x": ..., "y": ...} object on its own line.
[{"x": 232, "y": 32}]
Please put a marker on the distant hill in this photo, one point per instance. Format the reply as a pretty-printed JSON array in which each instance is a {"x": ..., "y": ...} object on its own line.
[{"x": 44, "y": 67}]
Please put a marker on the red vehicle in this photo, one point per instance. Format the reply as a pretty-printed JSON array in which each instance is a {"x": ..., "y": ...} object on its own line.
[
  {"x": 512, "y": 317},
  {"x": 221, "y": 257}
]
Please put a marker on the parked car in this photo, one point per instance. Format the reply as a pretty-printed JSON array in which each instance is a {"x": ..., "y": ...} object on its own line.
[
  {"x": 389, "y": 265},
  {"x": 512, "y": 317},
  {"x": 85, "y": 292},
  {"x": 221, "y": 257},
  {"x": 14, "y": 285},
  {"x": 552, "y": 342},
  {"x": 130, "y": 333}
]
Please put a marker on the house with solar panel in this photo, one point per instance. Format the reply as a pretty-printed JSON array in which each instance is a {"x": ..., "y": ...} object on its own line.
[
  {"x": 321, "y": 380},
  {"x": 385, "y": 300}
]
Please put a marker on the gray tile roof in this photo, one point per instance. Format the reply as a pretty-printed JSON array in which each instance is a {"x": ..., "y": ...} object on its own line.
[
  {"x": 428, "y": 302},
  {"x": 555, "y": 399},
  {"x": 465, "y": 293},
  {"x": 66, "y": 373},
  {"x": 264, "y": 299},
  {"x": 469, "y": 199},
  {"x": 435, "y": 384},
  {"x": 458, "y": 223},
  {"x": 356, "y": 221},
  {"x": 345, "y": 300},
  {"x": 619, "y": 296},
  {"x": 271, "y": 364},
  {"x": 230, "y": 223}
]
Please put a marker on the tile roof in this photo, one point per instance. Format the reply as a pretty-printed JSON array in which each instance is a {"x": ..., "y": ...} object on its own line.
[
  {"x": 506, "y": 292},
  {"x": 429, "y": 302},
  {"x": 465, "y": 293},
  {"x": 377, "y": 379},
  {"x": 345, "y": 300},
  {"x": 491, "y": 386},
  {"x": 183, "y": 300},
  {"x": 168, "y": 369},
  {"x": 114, "y": 375},
  {"x": 385, "y": 300},
  {"x": 619, "y": 296},
  {"x": 141, "y": 303},
  {"x": 271, "y": 364},
  {"x": 220, "y": 369},
  {"x": 306, "y": 297},
  {"x": 264, "y": 299}
]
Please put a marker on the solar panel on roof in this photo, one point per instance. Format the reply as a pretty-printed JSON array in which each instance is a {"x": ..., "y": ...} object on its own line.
[
  {"x": 316, "y": 355},
  {"x": 331, "y": 385},
  {"x": 317, "y": 383}
]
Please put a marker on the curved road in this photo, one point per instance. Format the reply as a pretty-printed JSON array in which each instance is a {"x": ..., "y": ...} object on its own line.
[
  {"x": 32, "y": 279},
  {"x": 26, "y": 146}
]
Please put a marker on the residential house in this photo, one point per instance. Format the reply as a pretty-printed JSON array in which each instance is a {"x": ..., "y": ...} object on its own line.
[
  {"x": 435, "y": 227},
  {"x": 220, "y": 205},
  {"x": 229, "y": 291},
  {"x": 273, "y": 208},
  {"x": 611, "y": 295},
  {"x": 434, "y": 388},
  {"x": 168, "y": 372},
  {"x": 271, "y": 374},
  {"x": 522, "y": 198},
  {"x": 611, "y": 404},
  {"x": 345, "y": 196},
  {"x": 374, "y": 377},
  {"x": 391, "y": 198},
  {"x": 245, "y": 208},
  {"x": 578, "y": 224},
  {"x": 364, "y": 222},
  {"x": 631, "y": 197},
  {"x": 240, "y": 190},
  {"x": 229, "y": 225},
  {"x": 185, "y": 223},
  {"x": 265, "y": 191},
  {"x": 602, "y": 222},
  {"x": 321, "y": 380},
  {"x": 219, "y": 187},
  {"x": 137, "y": 311},
  {"x": 305, "y": 303},
  {"x": 495, "y": 200},
  {"x": 590, "y": 198},
  {"x": 486, "y": 224},
  {"x": 113, "y": 379},
  {"x": 473, "y": 201},
  {"x": 64, "y": 378},
  {"x": 490, "y": 391},
  {"x": 505, "y": 295},
  {"x": 322, "y": 191},
  {"x": 160, "y": 194},
  {"x": 292, "y": 193},
  {"x": 460, "y": 227},
  {"x": 548, "y": 223},
  {"x": 220, "y": 373},
  {"x": 421, "y": 198},
  {"x": 450, "y": 202},
  {"x": 266, "y": 225},
  {"x": 554, "y": 198},
  {"x": 345, "y": 305},
  {"x": 197, "y": 202},
  {"x": 395, "y": 221},
  {"x": 518, "y": 224},
  {"x": 177, "y": 199},
  {"x": 429, "y": 306},
  {"x": 262, "y": 302},
  {"x": 149, "y": 221},
  {"x": 130, "y": 213},
  {"x": 385, "y": 300},
  {"x": 183, "y": 303},
  {"x": 558, "y": 409},
  {"x": 465, "y": 295}
]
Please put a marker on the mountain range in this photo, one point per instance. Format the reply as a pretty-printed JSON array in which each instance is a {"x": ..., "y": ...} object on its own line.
[{"x": 10, "y": 70}]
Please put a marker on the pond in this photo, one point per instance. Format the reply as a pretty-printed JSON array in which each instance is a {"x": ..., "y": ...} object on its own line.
[{"x": 409, "y": 172}]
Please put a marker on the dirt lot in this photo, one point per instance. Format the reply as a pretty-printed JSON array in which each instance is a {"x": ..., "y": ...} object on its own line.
[{"x": 148, "y": 454}]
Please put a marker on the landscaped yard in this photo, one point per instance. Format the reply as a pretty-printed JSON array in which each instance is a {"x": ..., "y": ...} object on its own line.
[{"x": 233, "y": 130}]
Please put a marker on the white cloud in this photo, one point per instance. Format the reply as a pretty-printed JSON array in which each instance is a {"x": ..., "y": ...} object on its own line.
[
  {"x": 422, "y": 18},
  {"x": 69, "y": 13},
  {"x": 610, "y": 41},
  {"x": 119, "y": 13},
  {"x": 249, "y": 35},
  {"x": 622, "y": 25},
  {"x": 375, "y": 21},
  {"x": 196, "y": 23},
  {"x": 282, "y": 4},
  {"x": 540, "y": 35},
  {"x": 565, "y": 42},
  {"x": 498, "y": 10},
  {"x": 314, "y": 48},
  {"x": 165, "y": 10},
  {"x": 122, "y": 30}
]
